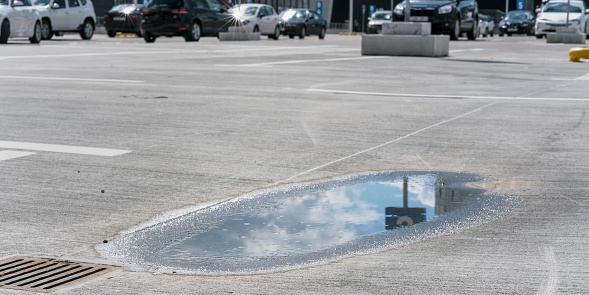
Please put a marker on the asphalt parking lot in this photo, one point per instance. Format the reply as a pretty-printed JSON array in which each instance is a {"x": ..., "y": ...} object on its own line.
[{"x": 102, "y": 136}]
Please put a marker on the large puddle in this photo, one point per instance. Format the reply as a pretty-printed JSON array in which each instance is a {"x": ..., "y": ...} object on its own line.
[{"x": 301, "y": 225}]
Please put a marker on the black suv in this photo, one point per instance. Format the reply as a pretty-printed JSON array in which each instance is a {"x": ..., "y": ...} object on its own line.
[
  {"x": 188, "y": 18},
  {"x": 452, "y": 17}
]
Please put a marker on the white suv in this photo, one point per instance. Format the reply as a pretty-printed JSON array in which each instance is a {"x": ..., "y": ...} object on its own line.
[
  {"x": 18, "y": 18},
  {"x": 61, "y": 16}
]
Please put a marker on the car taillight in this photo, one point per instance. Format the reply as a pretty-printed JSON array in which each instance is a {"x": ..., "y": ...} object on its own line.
[
  {"x": 179, "y": 11},
  {"x": 145, "y": 12},
  {"x": 106, "y": 18},
  {"x": 134, "y": 18}
]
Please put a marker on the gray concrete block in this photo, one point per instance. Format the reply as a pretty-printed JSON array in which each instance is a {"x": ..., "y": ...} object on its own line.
[
  {"x": 239, "y": 36},
  {"x": 406, "y": 45},
  {"x": 406, "y": 28},
  {"x": 567, "y": 38}
]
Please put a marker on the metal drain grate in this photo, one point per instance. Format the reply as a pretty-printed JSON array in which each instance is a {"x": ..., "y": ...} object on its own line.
[{"x": 45, "y": 275}]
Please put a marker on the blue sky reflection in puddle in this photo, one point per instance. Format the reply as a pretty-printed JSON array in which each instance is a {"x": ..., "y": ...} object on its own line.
[{"x": 310, "y": 221}]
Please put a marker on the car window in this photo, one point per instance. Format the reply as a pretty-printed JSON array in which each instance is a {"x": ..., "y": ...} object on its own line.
[
  {"x": 60, "y": 2},
  {"x": 3, "y": 2},
  {"x": 84, "y": 2},
  {"x": 214, "y": 4},
  {"x": 381, "y": 16},
  {"x": 172, "y": 4},
  {"x": 73, "y": 3},
  {"x": 562, "y": 7},
  {"x": 199, "y": 4},
  {"x": 39, "y": 2}
]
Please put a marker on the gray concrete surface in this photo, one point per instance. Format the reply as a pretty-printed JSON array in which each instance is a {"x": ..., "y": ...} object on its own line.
[{"x": 212, "y": 120}]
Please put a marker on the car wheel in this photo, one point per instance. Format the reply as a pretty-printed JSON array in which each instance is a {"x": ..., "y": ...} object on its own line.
[
  {"x": 37, "y": 35},
  {"x": 4, "y": 31},
  {"x": 302, "y": 33},
  {"x": 322, "y": 33},
  {"x": 149, "y": 38},
  {"x": 46, "y": 32},
  {"x": 193, "y": 33},
  {"x": 539, "y": 36},
  {"x": 472, "y": 34},
  {"x": 256, "y": 29},
  {"x": 139, "y": 34},
  {"x": 508, "y": 35},
  {"x": 455, "y": 33},
  {"x": 87, "y": 30},
  {"x": 111, "y": 34},
  {"x": 291, "y": 36},
  {"x": 276, "y": 33}
]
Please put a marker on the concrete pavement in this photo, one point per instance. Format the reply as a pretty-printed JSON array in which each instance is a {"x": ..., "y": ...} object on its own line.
[{"x": 207, "y": 121}]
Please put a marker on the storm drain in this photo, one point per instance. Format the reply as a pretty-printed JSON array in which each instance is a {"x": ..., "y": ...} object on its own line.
[{"x": 44, "y": 274}]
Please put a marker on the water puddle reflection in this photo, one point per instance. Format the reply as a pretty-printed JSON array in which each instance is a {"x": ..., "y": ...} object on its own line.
[{"x": 302, "y": 225}]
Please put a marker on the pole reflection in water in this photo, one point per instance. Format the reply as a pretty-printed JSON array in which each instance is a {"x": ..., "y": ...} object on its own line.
[{"x": 298, "y": 225}]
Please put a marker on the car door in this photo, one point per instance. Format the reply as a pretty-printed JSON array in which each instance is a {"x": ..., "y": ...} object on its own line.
[
  {"x": 59, "y": 15},
  {"x": 214, "y": 17},
  {"x": 75, "y": 14},
  {"x": 16, "y": 18},
  {"x": 29, "y": 18},
  {"x": 266, "y": 20},
  {"x": 313, "y": 23},
  {"x": 468, "y": 11}
]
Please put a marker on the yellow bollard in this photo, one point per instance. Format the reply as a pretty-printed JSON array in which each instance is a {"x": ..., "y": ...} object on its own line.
[{"x": 576, "y": 53}]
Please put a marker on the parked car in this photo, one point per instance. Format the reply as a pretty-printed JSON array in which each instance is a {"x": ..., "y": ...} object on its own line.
[
  {"x": 486, "y": 25},
  {"x": 260, "y": 18},
  {"x": 60, "y": 16},
  {"x": 517, "y": 22},
  {"x": 124, "y": 18},
  {"x": 18, "y": 18},
  {"x": 302, "y": 22},
  {"x": 190, "y": 19},
  {"x": 377, "y": 19},
  {"x": 452, "y": 17},
  {"x": 554, "y": 15}
]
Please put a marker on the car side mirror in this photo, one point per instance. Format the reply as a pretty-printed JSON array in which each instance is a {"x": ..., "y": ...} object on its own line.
[
  {"x": 55, "y": 6},
  {"x": 17, "y": 3},
  {"x": 261, "y": 15}
]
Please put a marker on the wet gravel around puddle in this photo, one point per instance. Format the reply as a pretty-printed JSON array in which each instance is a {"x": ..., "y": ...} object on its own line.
[{"x": 307, "y": 224}]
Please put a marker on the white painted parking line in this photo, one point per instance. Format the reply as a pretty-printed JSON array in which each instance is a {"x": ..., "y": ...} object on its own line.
[
  {"x": 62, "y": 148},
  {"x": 7, "y": 155},
  {"x": 267, "y": 64},
  {"x": 71, "y": 79},
  {"x": 448, "y": 96}
]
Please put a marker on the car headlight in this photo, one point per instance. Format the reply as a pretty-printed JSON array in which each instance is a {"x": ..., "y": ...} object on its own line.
[
  {"x": 445, "y": 9},
  {"x": 400, "y": 9}
]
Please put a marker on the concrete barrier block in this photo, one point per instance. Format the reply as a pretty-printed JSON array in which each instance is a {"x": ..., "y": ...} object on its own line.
[
  {"x": 406, "y": 28},
  {"x": 237, "y": 35},
  {"x": 567, "y": 38},
  {"x": 406, "y": 45}
]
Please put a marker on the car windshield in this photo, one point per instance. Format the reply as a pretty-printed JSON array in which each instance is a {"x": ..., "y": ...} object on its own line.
[
  {"x": 40, "y": 2},
  {"x": 3, "y": 2},
  {"x": 124, "y": 8},
  {"x": 517, "y": 16},
  {"x": 381, "y": 16},
  {"x": 172, "y": 4},
  {"x": 244, "y": 11},
  {"x": 562, "y": 7},
  {"x": 293, "y": 14}
]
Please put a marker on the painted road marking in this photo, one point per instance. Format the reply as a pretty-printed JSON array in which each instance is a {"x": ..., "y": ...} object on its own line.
[
  {"x": 267, "y": 64},
  {"x": 7, "y": 155},
  {"x": 61, "y": 148},
  {"x": 334, "y": 91},
  {"x": 71, "y": 79}
]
